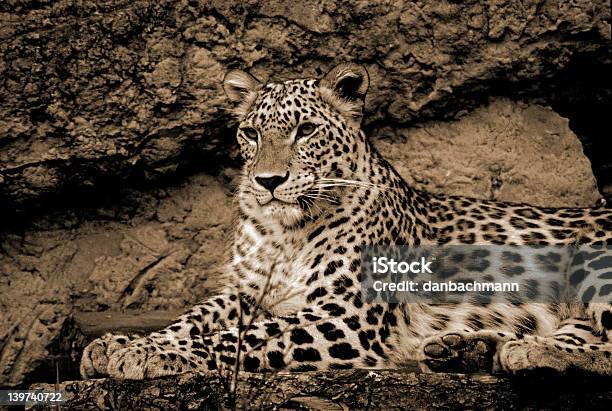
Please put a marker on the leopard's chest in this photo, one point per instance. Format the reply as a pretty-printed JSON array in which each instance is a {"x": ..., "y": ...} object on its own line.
[{"x": 277, "y": 273}]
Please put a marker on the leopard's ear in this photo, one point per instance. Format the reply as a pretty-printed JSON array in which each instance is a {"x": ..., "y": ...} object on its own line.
[
  {"x": 344, "y": 87},
  {"x": 238, "y": 84},
  {"x": 241, "y": 88},
  {"x": 349, "y": 81}
]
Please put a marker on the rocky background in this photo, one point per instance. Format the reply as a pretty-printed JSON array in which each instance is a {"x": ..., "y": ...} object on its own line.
[{"x": 116, "y": 146}]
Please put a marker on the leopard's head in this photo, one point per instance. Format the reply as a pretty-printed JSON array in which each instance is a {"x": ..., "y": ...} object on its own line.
[{"x": 298, "y": 139}]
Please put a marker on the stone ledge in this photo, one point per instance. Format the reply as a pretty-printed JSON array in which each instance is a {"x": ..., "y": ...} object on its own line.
[{"x": 340, "y": 390}]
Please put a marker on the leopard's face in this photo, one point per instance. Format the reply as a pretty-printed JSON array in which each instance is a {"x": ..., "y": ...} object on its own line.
[
  {"x": 285, "y": 142},
  {"x": 295, "y": 138}
]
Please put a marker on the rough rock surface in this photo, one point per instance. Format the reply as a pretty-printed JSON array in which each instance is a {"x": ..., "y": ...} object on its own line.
[
  {"x": 150, "y": 249},
  {"x": 161, "y": 247},
  {"x": 96, "y": 91},
  {"x": 372, "y": 390},
  {"x": 503, "y": 151}
]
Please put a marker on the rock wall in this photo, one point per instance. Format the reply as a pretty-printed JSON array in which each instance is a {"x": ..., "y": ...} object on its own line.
[
  {"x": 96, "y": 92},
  {"x": 502, "y": 151}
]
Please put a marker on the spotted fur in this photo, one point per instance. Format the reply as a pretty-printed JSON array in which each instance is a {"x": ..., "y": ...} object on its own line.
[{"x": 313, "y": 193}]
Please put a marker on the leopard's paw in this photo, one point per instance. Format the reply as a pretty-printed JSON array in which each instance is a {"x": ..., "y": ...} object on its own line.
[
  {"x": 142, "y": 359},
  {"x": 601, "y": 319},
  {"x": 549, "y": 355},
  {"x": 95, "y": 358},
  {"x": 462, "y": 352},
  {"x": 532, "y": 354}
]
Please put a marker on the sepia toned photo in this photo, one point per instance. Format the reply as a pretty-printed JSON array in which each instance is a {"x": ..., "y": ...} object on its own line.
[{"x": 337, "y": 205}]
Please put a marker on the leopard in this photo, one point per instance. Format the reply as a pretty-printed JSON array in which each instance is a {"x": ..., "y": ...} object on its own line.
[{"x": 312, "y": 193}]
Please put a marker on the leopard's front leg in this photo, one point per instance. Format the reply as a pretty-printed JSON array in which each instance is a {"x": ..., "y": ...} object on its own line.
[
  {"x": 100, "y": 356},
  {"x": 302, "y": 342}
]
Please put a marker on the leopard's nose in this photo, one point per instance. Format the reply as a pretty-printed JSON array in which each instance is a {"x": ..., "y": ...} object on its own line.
[{"x": 270, "y": 182}]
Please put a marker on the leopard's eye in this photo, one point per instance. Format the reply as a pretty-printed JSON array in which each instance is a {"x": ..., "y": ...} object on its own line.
[
  {"x": 250, "y": 133},
  {"x": 305, "y": 130}
]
